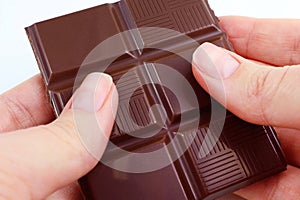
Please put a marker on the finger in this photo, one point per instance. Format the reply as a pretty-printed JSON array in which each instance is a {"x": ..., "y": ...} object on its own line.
[
  {"x": 256, "y": 93},
  {"x": 273, "y": 41},
  {"x": 290, "y": 143},
  {"x": 71, "y": 192},
  {"x": 25, "y": 106},
  {"x": 282, "y": 186},
  {"x": 38, "y": 161}
]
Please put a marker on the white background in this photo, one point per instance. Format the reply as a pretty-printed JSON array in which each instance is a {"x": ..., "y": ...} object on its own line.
[{"x": 17, "y": 62}]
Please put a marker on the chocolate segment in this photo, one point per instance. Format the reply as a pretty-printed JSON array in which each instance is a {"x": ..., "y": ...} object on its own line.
[{"x": 171, "y": 140}]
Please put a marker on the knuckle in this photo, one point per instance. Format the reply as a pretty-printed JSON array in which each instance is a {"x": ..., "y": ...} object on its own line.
[
  {"x": 65, "y": 127},
  {"x": 264, "y": 88},
  {"x": 260, "y": 90},
  {"x": 18, "y": 112},
  {"x": 257, "y": 84},
  {"x": 65, "y": 132},
  {"x": 294, "y": 52}
]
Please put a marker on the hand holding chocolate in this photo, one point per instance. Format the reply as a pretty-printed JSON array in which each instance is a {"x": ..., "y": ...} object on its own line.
[{"x": 171, "y": 140}]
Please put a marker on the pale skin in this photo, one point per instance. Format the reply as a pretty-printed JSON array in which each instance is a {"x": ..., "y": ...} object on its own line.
[{"x": 267, "y": 42}]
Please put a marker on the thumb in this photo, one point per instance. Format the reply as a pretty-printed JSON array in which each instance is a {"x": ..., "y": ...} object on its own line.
[
  {"x": 255, "y": 92},
  {"x": 38, "y": 161}
]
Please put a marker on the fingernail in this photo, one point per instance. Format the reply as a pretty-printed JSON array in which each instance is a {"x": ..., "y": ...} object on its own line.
[
  {"x": 92, "y": 96},
  {"x": 93, "y": 92},
  {"x": 214, "y": 61}
]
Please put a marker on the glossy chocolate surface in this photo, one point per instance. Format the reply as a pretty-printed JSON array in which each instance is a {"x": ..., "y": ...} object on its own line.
[{"x": 213, "y": 164}]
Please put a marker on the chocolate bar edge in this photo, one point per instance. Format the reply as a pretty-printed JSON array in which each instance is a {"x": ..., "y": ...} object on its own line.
[{"x": 43, "y": 64}]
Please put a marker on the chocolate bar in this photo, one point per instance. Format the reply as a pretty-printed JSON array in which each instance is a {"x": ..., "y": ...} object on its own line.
[{"x": 171, "y": 140}]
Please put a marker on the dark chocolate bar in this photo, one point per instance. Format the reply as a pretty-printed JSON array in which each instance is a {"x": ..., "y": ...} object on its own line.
[{"x": 171, "y": 140}]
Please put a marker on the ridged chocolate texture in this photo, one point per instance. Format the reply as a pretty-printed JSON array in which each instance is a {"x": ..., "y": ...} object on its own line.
[{"x": 212, "y": 165}]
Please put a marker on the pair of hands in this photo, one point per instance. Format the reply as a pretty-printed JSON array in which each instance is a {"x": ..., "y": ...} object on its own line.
[{"x": 37, "y": 162}]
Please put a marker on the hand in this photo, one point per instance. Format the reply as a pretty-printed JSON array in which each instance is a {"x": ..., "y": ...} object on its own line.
[
  {"x": 258, "y": 89},
  {"x": 36, "y": 162}
]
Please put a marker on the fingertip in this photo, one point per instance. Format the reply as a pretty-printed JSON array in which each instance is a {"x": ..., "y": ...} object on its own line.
[
  {"x": 93, "y": 92},
  {"x": 214, "y": 61}
]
